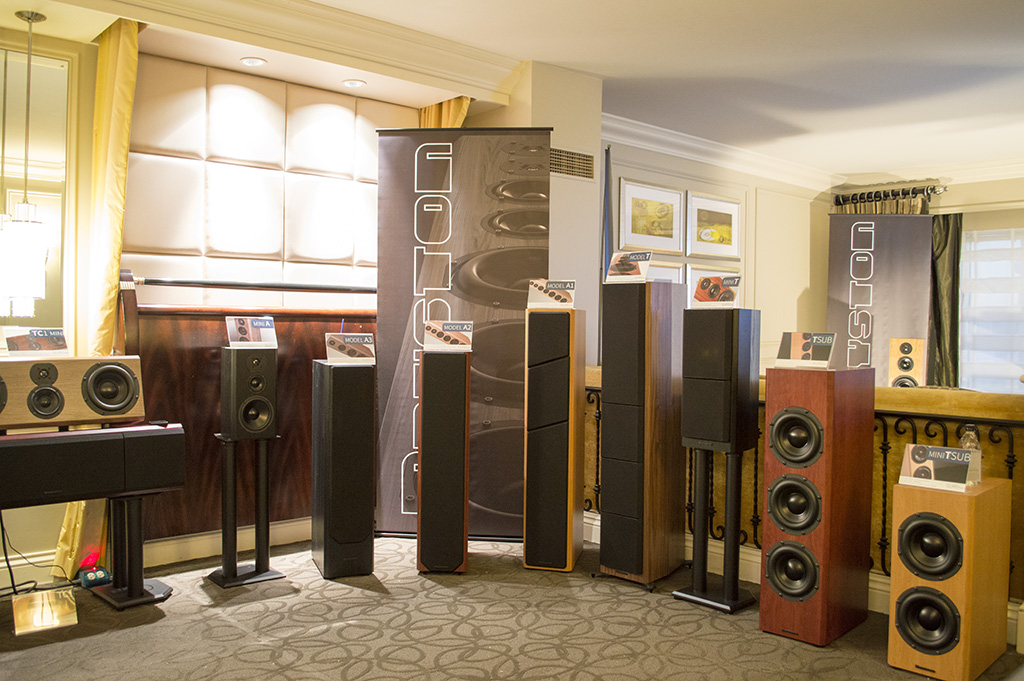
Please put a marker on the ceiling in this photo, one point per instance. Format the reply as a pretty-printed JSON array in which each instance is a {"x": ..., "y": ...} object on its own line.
[{"x": 874, "y": 90}]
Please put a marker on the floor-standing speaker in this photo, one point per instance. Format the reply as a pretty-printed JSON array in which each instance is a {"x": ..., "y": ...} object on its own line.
[
  {"x": 248, "y": 393},
  {"x": 643, "y": 468},
  {"x": 442, "y": 536},
  {"x": 344, "y": 457},
  {"x": 950, "y": 579},
  {"x": 817, "y": 469},
  {"x": 553, "y": 483}
]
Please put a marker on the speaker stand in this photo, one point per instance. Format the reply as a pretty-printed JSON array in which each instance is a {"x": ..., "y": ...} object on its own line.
[
  {"x": 732, "y": 599},
  {"x": 128, "y": 588},
  {"x": 229, "y": 575}
]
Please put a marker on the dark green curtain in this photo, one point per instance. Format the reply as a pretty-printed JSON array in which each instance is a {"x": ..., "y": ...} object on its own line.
[{"x": 944, "y": 325}]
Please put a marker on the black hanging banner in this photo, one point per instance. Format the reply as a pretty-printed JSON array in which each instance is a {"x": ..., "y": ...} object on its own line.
[
  {"x": 879, "y": 286},
  {"x": 462, "y": 221}
]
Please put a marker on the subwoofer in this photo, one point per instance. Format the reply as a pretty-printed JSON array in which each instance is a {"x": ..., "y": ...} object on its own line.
[
  {"x": 344, "y": 479},
  {"x": 248, "y": 393},
  {"x": 950, "y": 579},
  {"x": 553, "y": 483},
  {"x": 816, "y": 543},
  {"x": 643, "y": 478},
  {"x": 442, "y": 535},
  {"x": 907, "y": 366},
  {"x": 63, "y": 391}
]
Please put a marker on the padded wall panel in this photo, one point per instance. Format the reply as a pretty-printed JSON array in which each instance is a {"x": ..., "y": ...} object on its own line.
[
  {"x": 243, "y": 212},
  {"x": 241, "y": 269},
  {"x": 246, "y": 119},
  {"x": 319, "y": 225},
  {"x": 316, "y": 273},
  {"x": 166, "y": 266},
  {"x": 372, "y": 116},
  {"x": 320, "y": 136},
  {"x": 157, "y": 220},
  {"x": 169, "y": 110}
]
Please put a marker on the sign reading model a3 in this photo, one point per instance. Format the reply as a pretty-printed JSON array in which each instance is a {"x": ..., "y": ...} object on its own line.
[
  {"x": 628, "y": 267},
  {"x": 448, "y": 336},
  {"x": 350, "y": 348},
  {"x": 551, "y": 293},
  {"x": 251, "y": 332}
]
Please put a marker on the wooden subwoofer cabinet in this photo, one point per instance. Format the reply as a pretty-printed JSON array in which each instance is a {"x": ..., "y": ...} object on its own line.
[
  {"x": 643, "y": 468},
  {"x": 950, "y": 579}
]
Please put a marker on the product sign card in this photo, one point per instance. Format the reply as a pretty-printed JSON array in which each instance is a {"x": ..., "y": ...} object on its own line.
[
  {"x": 628, "y": 267},
  {"x": 350, "y": 348},
  {"x": 23, "y": 341},
  {"x": 715, "y": 292},
  {"x": 251, "y": 332},
  {"x": 940, "y": 467},
  {"x": 448, "y": 336},
  {"x": 808, "y": 350},
  {"x": 548, "y": 293}
]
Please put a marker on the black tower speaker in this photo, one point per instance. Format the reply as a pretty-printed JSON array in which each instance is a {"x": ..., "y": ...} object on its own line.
[
  {"x": 643, "y": 467},
  {"x": 248, "y": 393},
  {"x": 344, "y": 455},
  {"x": 442, "y": 500},
  {"x": 720, "y": 379},
  {"x": 553, "y": 485}
]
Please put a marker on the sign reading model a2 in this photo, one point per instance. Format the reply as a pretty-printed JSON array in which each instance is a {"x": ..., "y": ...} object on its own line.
[
  {"x": 627, "y": 267},
  {"x": 448, "y": 336}
]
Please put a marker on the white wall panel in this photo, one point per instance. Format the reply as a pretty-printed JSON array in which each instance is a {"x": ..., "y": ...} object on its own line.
[
  {"x": 165, "y": 205},
  {"x": 338, "y": 275},
  {"x": 318, "y": 223},
  {"x": 246, "y": 119},
  {"x": 237, "y": 269},
  {"x": 321, "y": 132},
  {"x": 371, "y": 116},
  {"x": 166, "y": 267},
  {"x": 169, "y": 112},
  {"x": 244, "y": 211}
]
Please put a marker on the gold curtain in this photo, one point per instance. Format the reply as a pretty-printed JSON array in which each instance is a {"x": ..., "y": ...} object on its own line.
[
  {"x": 865, "y": 204},
  {"x": 447, "y": 114},
  {"x": 116, "y": 69},
  {"x": 82, "y": 539}
]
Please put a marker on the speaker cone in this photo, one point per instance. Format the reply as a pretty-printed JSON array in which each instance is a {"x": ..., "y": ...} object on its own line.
[
  {"x": 927, "y": 620},
  {"x": 930, "y": 546},
  {"x": 45, "y": 401},
  {"x": 3, "y": 394},
  {"x": 923, "y": 472},
  {"x": 519, "y": 224},
  {"x": 256, "y": 383},
  {"x": 110, "y": 388},
  {"x": 794, "y": 504},
  {"x": 43, "y": 373},
  {"x": 904, "y": 382},
  {"x": 256, "y": 414},
  {"x": 795, "y": 437},
  {"x": 919, "y": 453},
  {"x": 792, "y": 571},
  {"x": 905, "y": 363},
  {"x": 906, "y": 348}
]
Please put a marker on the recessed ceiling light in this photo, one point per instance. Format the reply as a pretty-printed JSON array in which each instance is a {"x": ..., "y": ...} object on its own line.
[
  {"x": 253, "y": 61},
  {"x": 353, "y": 82}
]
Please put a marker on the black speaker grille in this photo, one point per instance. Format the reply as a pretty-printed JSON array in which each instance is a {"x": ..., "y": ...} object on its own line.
[
  {"x": 795, "y": 437},
  {"x": 930, "y": 546},
  {"x": 792, "y": 571},
  {"x": 927, "y": 620},
  {"x": 623, "y": 329},
  {"x": 794, "y": 504},
  {"x": 546, "y": 502}
]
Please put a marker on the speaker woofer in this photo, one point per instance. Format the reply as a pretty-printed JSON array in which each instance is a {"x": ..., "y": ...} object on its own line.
[
  {"x": 792, "y": 571},
  {"x": 45, "y": 401},
  {"x": 930, "y": 546},
  {"x": 905, "y": 363},
  {"x": 927, "y": 620},
  {"x": 256, "y": 414},
  {"x": 795, "y": 437},
  {"x": 110, "y": 388},
  {"x": 919, "y": 453},
  {"x": 794, "y": 504},
  {"x": 904, "y": 382}
]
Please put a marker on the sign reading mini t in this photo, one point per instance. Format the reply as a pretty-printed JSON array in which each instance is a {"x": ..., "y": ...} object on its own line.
[{"x": 448, "y": 336}]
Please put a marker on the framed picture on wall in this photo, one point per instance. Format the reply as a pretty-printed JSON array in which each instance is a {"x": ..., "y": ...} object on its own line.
[
  {"x": 713, "y": 226},
  {"x": 708, "y": 286},
  {"x": 650, "y": 218},
  {"x": 665, "y": 271}
]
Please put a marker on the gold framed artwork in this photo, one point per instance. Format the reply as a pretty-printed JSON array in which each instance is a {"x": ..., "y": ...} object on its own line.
[
  {"x": 650, "y": 218},
  {"x": 713, "y": 226},
  {"x": 665, "y": 271}
]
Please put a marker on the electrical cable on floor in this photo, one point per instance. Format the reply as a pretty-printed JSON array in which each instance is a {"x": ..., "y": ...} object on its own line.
[{"x": 32, "y": 584}]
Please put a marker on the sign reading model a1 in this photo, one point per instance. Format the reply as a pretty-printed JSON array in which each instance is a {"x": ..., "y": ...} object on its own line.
[
  {"x": 551, "y": 293},
  {"x": 251, "y": 332},
  {"x": 627, "y": 267},
  {"x": 448, "y": 336}
]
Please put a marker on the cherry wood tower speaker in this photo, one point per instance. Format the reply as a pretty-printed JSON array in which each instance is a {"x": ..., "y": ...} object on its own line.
[
  {"x": 344, "y": 458},
  {"x": 817, "y": 464},
  {"x": 442, "y": 520},
  {"x": 950, "y": 579},
  {"x": 553, "y": 476},
  {"x": 643, "y": 468}
]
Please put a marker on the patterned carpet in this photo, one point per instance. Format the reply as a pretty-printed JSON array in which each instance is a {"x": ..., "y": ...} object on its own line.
[{"x": 497, "y": 621}]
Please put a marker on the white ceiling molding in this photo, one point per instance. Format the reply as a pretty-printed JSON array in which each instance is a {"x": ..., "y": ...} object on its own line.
[
  {"x": 319, "y": 32},
  {"x": 653, "y": 138}
]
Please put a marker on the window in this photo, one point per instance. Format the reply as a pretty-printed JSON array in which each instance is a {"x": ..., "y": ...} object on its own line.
[{"x": 992, "y": 310}]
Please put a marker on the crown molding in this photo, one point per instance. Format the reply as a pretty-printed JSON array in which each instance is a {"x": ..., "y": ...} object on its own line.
[
  {"x": 320, "y": 32},
  {"x": 652, "y": 138}
]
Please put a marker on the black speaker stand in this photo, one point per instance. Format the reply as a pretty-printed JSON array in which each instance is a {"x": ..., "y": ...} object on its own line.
[
  {"x": 127, "y": 588},
  {"x": 732, "y": 599},
  {"x": 229, "y": 575}
]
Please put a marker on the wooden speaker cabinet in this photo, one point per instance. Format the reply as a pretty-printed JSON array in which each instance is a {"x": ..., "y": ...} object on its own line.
[
  {"x": 553, "y": 474},
  {"x": 817, "y": 466},
  {"x": 950, "y": 579},
  {"x": 66, "y": 391},
  {"x": 643, "y": 467}
]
